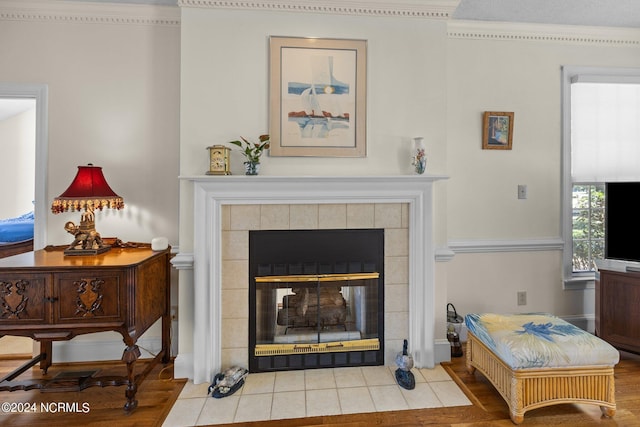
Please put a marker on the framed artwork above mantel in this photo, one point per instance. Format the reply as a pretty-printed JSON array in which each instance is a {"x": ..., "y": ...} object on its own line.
[{"x": 318, "y": 97}]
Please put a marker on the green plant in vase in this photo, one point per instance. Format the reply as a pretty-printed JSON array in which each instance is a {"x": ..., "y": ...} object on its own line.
[{"x": 252, "y": 152}]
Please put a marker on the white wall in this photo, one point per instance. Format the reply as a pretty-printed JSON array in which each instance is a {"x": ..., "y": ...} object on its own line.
[
  {"x": 113, "y": 91},
  {"x": 225, "y": 93},
  {"x": 519, "y": 74},
  {"x": 522, "y": 77},
  {"x": 427, "y": 77},
  {"x": 225, "y": 89},
  {"x": 17, "y": 145},
  {"x": 114, "y": 102}
]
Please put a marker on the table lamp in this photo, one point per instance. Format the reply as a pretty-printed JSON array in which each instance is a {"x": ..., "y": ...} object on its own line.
[{"x": 88, "y": 191}]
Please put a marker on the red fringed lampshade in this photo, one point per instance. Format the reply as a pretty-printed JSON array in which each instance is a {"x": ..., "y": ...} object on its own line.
[{"x": 89, "y": 190}]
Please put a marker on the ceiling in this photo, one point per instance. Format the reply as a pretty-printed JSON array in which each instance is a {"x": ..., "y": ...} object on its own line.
[{"x": 596, "y": 13}]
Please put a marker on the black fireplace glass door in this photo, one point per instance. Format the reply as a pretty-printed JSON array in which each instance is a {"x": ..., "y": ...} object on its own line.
[
  {"x": 314, "y": 309},
  {"x": 316, "y": 295}
]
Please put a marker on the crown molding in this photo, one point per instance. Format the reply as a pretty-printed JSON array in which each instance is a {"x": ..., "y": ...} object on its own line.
[
  {"x": 433, "y": 9},
  {"x": 572, "y": 34},
  {"x": 139, "y": 14},
  {"x": 88, "y": 12}
]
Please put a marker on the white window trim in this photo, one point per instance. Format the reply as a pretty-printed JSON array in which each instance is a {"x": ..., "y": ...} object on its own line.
[{"x": 571, "y": 74}]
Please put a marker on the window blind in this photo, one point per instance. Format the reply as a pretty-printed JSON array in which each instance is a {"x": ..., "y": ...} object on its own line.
[{"x": 605, "y": 130}]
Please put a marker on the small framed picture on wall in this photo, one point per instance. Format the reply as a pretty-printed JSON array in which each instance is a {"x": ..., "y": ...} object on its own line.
[{"x": 497, "y": 130}]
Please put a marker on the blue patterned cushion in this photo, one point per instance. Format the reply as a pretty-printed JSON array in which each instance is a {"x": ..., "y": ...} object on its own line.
[{"x": 540, "y": 340}]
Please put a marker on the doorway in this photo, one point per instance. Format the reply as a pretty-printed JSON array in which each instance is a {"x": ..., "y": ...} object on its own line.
[
  {"x": 19, "y": 98},
  {"x": 38, "y": 94},
  {"x": 17, "y": 145}
]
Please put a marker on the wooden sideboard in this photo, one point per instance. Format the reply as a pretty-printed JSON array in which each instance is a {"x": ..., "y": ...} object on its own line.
[
  {"x": 618, "y": 309},
  {"x": 51, "y": 297}
]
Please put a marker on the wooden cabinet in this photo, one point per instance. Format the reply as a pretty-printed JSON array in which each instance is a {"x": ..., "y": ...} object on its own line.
[
  {"x": 49, "y": 297},
  {"x": 618, "y": 309}
]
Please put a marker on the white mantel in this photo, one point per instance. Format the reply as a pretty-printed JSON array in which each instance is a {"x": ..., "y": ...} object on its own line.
[{"x": 212, "y": 192}]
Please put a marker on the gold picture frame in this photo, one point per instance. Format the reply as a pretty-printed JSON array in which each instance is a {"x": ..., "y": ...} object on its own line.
[
  {"x": 497, "y": 130},
  {"x": 318, "y": 97}
]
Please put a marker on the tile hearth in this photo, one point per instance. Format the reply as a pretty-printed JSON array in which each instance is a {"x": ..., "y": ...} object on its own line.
[{"x": 308, "y": 393}]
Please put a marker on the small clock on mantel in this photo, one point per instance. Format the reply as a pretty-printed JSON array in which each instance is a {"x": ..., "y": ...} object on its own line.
[{"x": 219, "y": 160}]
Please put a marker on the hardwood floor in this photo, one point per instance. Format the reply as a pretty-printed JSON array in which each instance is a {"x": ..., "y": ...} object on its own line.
[
  {"x": 93, "y": 406},
  {"x": 158, "y": 393}
]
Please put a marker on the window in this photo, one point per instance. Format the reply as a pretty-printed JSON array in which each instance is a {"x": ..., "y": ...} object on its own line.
[
  {"x": 600, "y": 143},
  {"x": 587, "y": 226}
]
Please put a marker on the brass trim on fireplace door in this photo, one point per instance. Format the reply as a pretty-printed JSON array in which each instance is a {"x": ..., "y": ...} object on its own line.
[
  {"x": 328, "y": 347},
  {"x": 370, "y": 344},
  {"x": 317, "y": 277}
]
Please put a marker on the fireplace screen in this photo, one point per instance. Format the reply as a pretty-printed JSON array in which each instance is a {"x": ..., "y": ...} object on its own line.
[
  {"x": 316, "y": 313},
  {"x": 316, "y": 301}
]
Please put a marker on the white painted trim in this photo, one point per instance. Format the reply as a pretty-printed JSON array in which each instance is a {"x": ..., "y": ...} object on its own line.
[
  {"x": 183, "y": 365},
  {"x": 582, "y": 321},
  {"x": 444, "y": 254},
  {"x": 572, "y": 34},
  {"x": 440, "y": 10},
  {"x": 140, "y": 14},
  {"x": 39, "y": 92},
  {"x": 182, "y": 261},
  {"x": 88, "y": 350},
  {"x": 524, "y": 245},
  {"x": 442, "y": 351},
  {"x": 88, "y": 12},
  {"x": 211, "y": 193},
  {"x": 569, "y": 73},
  {"x": 433, "y": 9}
]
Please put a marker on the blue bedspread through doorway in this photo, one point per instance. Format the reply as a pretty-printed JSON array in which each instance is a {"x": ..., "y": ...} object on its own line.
[{"x": 16, "y": 229}]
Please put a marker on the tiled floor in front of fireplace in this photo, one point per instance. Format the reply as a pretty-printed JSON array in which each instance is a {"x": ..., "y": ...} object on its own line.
[{"x": 315, "y": 392}]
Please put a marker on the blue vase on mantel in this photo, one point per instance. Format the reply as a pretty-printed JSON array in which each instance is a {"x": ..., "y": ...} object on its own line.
[{"x": 251, "y": 168}]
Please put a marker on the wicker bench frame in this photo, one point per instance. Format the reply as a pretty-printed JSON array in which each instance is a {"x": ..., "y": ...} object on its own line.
[{"x": 526, "y": 389}]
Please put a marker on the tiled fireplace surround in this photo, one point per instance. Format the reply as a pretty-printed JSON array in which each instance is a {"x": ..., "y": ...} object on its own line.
[{"x": 226, "y": 208}]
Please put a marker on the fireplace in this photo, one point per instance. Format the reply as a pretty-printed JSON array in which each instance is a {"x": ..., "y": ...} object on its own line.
[
  {"x": 211, "y": 337},
  {"x": 316, "y": 298}
]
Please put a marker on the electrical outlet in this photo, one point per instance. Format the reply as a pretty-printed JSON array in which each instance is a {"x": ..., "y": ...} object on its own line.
[
  {"x": 522, "y": 191},
  {"x": 174, "y": 312},
  {"x": 522, "y": 298}
]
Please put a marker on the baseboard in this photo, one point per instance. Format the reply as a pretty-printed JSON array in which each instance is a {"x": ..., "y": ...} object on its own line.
[
  {"x": 442, "y": 351},
  {"x": 85, "y": 351},
  {"x": 15, "y": 356},
  {"x": 183, "y": 366},
  {"x": 583, "y": 321}
]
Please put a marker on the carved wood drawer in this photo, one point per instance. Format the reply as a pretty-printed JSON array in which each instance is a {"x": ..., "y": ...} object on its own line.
[
  {"x": 22, "y": 298},
  {"x": 88, "y": 297}
]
